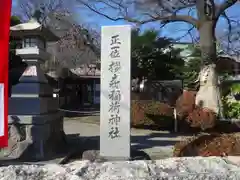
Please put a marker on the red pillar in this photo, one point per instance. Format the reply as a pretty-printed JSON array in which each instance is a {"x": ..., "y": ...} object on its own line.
[{"x": 5, "y": 14}]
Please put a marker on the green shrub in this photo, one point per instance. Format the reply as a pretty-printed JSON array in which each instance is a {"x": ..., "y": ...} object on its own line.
[
  {"x": 235, "y": 88},
  {"x": 231, "y": 107}
]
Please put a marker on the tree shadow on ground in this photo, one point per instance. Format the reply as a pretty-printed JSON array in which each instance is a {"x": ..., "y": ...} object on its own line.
[
  {"x": 80, "y": 144},
  {"x": 140, "y": 142},
  {"x": 154, "y": 139},
  {"x": 77, "y": 144}
]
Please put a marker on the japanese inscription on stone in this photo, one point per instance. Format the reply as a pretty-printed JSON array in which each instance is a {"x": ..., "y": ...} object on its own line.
[{"x": 115, "y": 91}]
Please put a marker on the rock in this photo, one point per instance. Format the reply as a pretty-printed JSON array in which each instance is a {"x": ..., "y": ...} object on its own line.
[
  {"x": 34, "y": 142},
  {"x": 233, "y": 159},
  {"x": 173, "y": 168},
  {"x": 94, "y": 155},
  {"x": 17, "y": 143},
  {"x": 139, "y": 155}
]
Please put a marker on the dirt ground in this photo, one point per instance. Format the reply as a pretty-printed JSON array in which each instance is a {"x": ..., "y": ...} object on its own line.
[{"x": 157, "y": 144}]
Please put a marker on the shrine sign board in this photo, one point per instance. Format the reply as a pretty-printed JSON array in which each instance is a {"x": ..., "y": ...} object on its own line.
[{"x": 115, "y": 91}]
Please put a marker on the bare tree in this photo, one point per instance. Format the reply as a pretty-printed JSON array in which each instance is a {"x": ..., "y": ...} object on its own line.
[
  {"x": 77, "y": 45},
  {"x": 229, "y": 42},
  {"x": 39, "y": 9},
  {"x": 169, "y": 11}
]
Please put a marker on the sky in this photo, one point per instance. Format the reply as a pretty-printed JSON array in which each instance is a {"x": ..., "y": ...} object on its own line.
[{"x": 172, "y": 30}]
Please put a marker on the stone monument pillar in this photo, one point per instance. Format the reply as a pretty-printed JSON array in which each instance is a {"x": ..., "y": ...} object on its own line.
[{"x": 35, "y": 124}]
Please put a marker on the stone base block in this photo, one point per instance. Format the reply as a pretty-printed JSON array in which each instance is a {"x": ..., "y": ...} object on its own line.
[
  {"x": 94, "y": 155},
  {"x": 35, "y": 141}
]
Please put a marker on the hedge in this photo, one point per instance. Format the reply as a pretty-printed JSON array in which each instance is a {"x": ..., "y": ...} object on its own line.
[
  {"x": 191, "y": 117},
  {"x": 150, "y": 114},
  {"x": 185, "y": 104}
]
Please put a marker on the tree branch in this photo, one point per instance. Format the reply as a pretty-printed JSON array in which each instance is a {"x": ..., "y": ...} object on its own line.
[
  {"x": 229, "y": 29},
  {"x": 176, "y": 18},
  {"x": 186, "y": 34},
  {"x": 222, "y": 7},
  {"x": 165, "y": 19}
]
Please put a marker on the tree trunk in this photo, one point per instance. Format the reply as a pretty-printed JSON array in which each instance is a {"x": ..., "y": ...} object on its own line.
[
  {"x": 208, "y": 42},
  {"x": 209, "y": 95}
]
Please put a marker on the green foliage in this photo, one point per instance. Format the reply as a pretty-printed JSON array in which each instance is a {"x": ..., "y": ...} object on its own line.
[
  {"x": 231, "y": 107},
  {"x": 15, "y": 20},
  {"x": 235, "y": 88},
  {"x": 150, "y": 59},
  {"x": 192, "y": 67}
]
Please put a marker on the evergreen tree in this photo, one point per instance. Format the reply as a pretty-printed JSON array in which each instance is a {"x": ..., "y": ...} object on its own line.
[{"x": 154, "y": 58}]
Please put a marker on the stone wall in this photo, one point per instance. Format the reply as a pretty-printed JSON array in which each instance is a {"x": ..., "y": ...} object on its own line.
[{"x": 196, "y": 168}]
